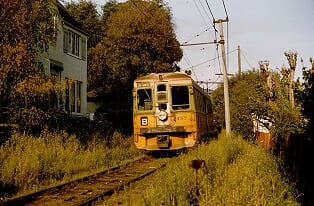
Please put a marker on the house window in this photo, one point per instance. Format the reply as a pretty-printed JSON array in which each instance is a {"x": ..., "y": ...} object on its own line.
[
  {"x": 78, "y": 96},
  {"x": 74, "y": 44},
  {"x": 73, "y": 96}
]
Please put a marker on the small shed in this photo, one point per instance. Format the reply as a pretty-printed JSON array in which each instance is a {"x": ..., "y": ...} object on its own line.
[{"x": 261, "y": 129}]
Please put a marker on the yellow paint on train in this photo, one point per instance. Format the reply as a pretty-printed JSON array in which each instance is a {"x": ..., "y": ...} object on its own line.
[{"x": 170, "y": 112}]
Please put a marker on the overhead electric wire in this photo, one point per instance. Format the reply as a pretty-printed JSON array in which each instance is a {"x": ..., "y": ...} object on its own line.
[
  {"x": 212, "y": 17},
  {"x": 213, "y": 23},
  {"x": 246, "y": 59},
  {"x": 217, "y": 57},
  {"x": 199, "y": 11},
  {"x": 210, "y": 10},
  {"x": 227, "y": 17},
  {"x": 223, "y": 2},
  {"x": 203, "y": 8},
  {"x": 197, "y": 35},
  {"x": 216, "y": 31}
]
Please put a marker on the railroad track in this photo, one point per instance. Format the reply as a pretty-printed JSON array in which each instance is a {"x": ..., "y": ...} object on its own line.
[{"x": 90, "y": 189}]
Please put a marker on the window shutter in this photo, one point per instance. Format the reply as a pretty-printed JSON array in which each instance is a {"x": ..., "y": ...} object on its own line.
[
  {"x": 66, "y": 41},
  {"x": 83, "y": 48}
]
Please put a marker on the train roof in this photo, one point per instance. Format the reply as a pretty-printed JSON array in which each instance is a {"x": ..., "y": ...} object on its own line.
[{"x": 167, "y": 76}]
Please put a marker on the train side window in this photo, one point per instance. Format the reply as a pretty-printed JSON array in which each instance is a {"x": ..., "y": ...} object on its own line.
[
  {"x": 180, "y": 97},
  {"x": 144, "y": 99}
]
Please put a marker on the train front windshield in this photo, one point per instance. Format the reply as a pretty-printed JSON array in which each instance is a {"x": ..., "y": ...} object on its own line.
[{"x": 144, "y": 99}]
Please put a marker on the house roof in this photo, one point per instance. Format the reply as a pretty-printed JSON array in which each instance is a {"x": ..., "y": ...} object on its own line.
[{"x": 68, "y": 19}]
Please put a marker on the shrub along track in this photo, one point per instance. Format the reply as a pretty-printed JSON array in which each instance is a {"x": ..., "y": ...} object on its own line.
[{"x": 90, "y": 189}]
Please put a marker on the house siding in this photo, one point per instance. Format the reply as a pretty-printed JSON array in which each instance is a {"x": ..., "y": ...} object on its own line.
[{"x": 71, "y": 66}]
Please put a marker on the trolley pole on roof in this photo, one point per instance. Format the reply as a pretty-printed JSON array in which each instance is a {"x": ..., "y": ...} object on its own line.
[{"x": 226, "y": 90}]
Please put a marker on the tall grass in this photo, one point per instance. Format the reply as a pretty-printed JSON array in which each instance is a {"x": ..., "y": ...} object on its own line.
[
  {"x": 30, "y": 163},
  {"x": 235, "y": 173}
]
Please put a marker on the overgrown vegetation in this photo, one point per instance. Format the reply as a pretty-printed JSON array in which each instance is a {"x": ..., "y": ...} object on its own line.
[
  {"x": 249, "y": 95},
  {"x": 235, "y": 173},
  {"x": 305, "y": 95},
  {"x": 30, "y": 163}
]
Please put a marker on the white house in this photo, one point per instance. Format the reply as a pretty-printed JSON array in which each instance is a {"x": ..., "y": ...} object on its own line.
[{"x": 66, "y": 60}]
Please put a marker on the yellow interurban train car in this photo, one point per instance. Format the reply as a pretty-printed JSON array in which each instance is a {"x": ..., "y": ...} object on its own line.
[{"x": 170, "y": 112}]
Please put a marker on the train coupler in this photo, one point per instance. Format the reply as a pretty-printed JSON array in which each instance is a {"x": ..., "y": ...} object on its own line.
[{"x": 163, "y": 141}]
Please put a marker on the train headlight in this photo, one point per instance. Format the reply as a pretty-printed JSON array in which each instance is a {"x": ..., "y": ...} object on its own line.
[{"x": 162, "y": 115}]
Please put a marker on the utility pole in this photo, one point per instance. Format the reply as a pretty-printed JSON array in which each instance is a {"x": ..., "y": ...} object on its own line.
[
  {"x": 226, "y": 90},
  {"x": 239, "y": 60}
]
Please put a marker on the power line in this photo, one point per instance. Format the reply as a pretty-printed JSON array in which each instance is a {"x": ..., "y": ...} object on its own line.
[
  {"x": 199, "y": 11},
  {"x": 223, "y": 2},
  {"x": 246, "y": 60},
  {"x": 218, "y": 57},
  {"x": 197, "y": 35},
  {"x": 213, "y": 19},
  {"x": 210, "y": 10}
]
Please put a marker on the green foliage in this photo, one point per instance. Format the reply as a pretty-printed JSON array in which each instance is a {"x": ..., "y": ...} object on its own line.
[
  {"x": 26, "y": 97},
  {"x": 138, "y": 39},
  {"x": 249, "y": 94},
  {"x": 34, "y": 104},
  {"x": 306, "y": 97},
  {"x": 129, "y": 39},
  {"x": 235, "y": 173},
  {"x": 285, "y": 119},
  {"x": 85, "y": 12},
  {"x": 26, "y": 27}
]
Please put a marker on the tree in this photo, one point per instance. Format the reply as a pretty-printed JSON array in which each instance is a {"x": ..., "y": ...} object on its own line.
[
  {"x": 306, "y": 96},
  {"x": 27, "y": 27},
  {"x": 85, "y": 13},
  {"x": 249, "y": 94},
  {"x": 138, "y": 39},
  {"x": 34, "y": 104}
]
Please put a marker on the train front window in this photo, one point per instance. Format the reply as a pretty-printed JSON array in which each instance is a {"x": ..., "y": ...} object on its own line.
[
  {"x": 180, "y": 97},
  {"x": 162, "y": 93},
  {"x": 144, "y": 99}
]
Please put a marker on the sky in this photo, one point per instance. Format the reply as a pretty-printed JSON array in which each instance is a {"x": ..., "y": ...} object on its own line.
[{"x": 264, "y": 30}]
